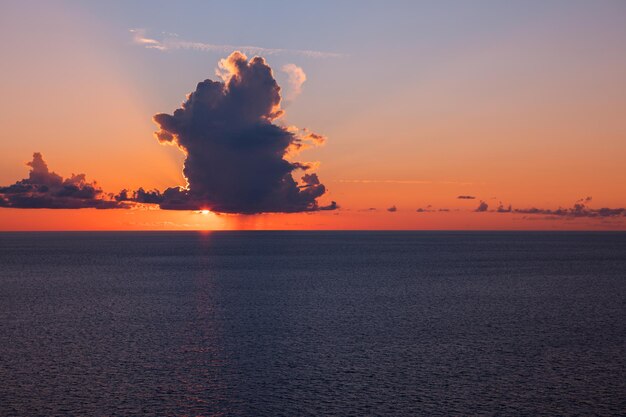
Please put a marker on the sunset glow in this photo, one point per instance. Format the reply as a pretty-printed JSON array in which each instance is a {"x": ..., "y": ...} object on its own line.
[
  {"x": 312, "y": 208},
  {"x": 431, "y": 110}
]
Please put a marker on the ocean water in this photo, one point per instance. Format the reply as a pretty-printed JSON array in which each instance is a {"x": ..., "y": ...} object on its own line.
[{"x": 312, "y": 323}]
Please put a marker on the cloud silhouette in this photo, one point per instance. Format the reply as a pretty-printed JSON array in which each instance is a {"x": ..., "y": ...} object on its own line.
[
  {"x": 579, "y": 209},
  {"x": 392, "y": 209},
  {"x": 502, "y": 209},
  {"x": 46, "y": 189},
  {"x": 483, "y": 206},
  {"x": 466, "y": 197},
  {"x": 140, "y": 196},
  {"x": 235, "y": 153}
]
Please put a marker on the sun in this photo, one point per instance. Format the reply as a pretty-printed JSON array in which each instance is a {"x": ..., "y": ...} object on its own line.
[{"x": 205, "y": 212}]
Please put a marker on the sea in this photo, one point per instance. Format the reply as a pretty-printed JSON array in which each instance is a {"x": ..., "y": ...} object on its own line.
[{"x": 312, "y": 323}]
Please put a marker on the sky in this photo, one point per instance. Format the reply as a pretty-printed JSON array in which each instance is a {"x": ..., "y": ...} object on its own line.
[{"x": 518, "y": 107}]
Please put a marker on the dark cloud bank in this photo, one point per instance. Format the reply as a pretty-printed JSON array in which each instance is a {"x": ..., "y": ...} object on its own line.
[
  {"x": 46, "y": 189},
  {"x": 579, "y": 209},
  {"x": 236, "y": 155}
]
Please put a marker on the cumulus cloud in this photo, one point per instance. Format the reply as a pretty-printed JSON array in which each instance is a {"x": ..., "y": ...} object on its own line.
[
  {"x": 295, "y": 78},
  {"x": 483, "y": 206},
  {"x": 236, "y": 155},
  {"x": 466, "y": 197},
  {"x": 46, "y": 189}
]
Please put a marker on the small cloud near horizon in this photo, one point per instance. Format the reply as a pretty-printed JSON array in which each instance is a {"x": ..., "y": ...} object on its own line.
[
  {"x": 579, "y": 209},
  {"x": 482, "y": 207},
  {"x": 47, "y": 189}
]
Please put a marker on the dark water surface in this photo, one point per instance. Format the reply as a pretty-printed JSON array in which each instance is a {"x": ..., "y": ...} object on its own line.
[{"x": 312, "y": 323}]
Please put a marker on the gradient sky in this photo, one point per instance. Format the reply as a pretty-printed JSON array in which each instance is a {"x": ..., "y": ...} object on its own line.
[{"x": 522, "y": 103}]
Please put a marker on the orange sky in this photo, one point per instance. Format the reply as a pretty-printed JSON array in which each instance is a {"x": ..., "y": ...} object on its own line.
[
  {"x": 532, "y": 118},
  {"x": 93, "y": 219}
]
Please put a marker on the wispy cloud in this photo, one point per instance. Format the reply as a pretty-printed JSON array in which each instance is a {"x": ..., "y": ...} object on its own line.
[
  {"x": 172, "y": 41},
  {"x": 366, "y": 181}
]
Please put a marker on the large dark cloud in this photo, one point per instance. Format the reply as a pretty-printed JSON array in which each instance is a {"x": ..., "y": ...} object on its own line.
[
  {"x": 236, "y": 155},
  {"x": 46, "y": 189}
]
